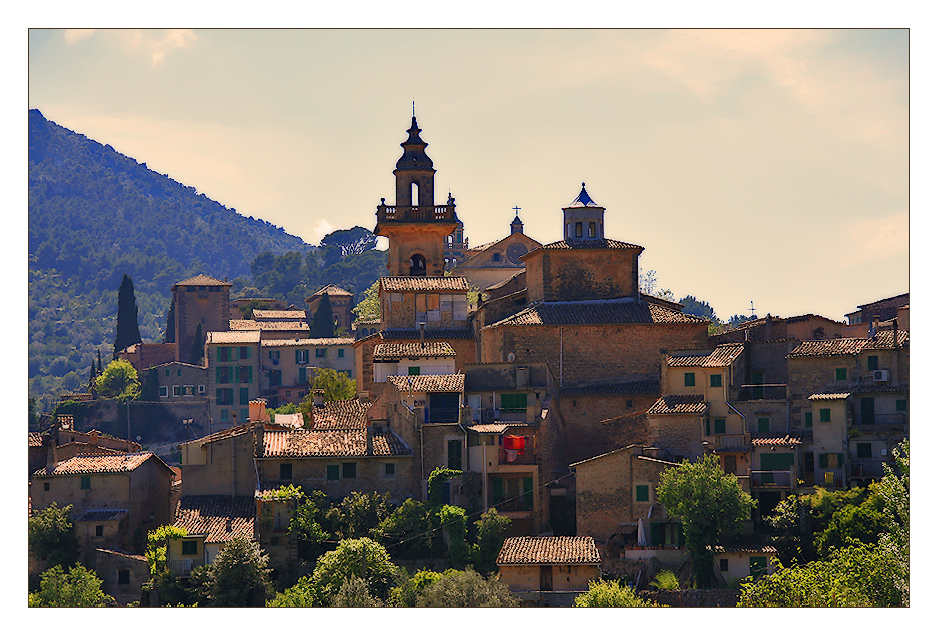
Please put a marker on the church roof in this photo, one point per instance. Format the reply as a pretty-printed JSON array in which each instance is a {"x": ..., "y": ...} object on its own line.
[
  {"x": 414, "y": 155},
  {"x": 583, "y": 200},
  {"x": 202, "y": 279},
  {"x": 599, "y": 312},
  {"x": 424, "y": 283},
  {"x": 590, "y": 244}
]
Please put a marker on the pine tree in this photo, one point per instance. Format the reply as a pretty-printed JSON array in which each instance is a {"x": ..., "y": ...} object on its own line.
[
  {"x": 128, "y": 331},
  {"x": 170, "y": 334},
  {"x": 322, "y": 325}
]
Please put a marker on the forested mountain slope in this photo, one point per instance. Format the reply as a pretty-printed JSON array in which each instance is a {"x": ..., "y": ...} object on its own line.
[{"x": 95, "y": 215}]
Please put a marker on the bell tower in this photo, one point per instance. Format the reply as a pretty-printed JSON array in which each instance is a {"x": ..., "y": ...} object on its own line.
[{"x": 416, "y": 228}]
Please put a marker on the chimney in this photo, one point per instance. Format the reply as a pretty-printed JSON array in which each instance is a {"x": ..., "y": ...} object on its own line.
[
  {"x": 896, "y": 334},
  {"x": 257, "y": 411},
  {"x": 259, "y": 440},
  {"x": 422, "y": 334},
  {"x": 319, "y": 397},
  {"x": 768, "y": 328}
]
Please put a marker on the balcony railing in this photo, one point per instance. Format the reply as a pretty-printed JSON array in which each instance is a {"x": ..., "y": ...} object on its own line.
[
  {"x": 830, "y": 478},
  {"x": 867, "y": 468},
  {"x": 773, "y": 479},
  {"x": 515, "y": 504},
  {"x": 183, "y": 567},
  {"x": 415, "y": 213},
  {"x": 523, "y": 456},
  {"x": 893, "y": 420},
  {"x": 723, "y": 441},
  {"x": 442, "y": 414}
]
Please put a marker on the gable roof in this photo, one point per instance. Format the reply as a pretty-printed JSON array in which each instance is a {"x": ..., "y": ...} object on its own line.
[
  {"x": 274, "y": 315},
  {"x": 336, "y": 443},
  {"x": 669, "y": 405},
  {"x": 395, "y": 351},
  {"x": 423, "y": 283},
  {"x": 425, "y": 383},
  {"x": 589, "y": 244},
  {"x": 331, "y": 290},
  {"x": 220, "y": 518},
  {"x": 596, "y": 312},
  {"x": 85, "y": 464},
  {"x": 233, "y": 337},
  {"x": 308, "y": 342},
  {"x": 850, "y": 346},
  {"x": 549, "y": 550},
  {"x": 721, "y": 356},
  {"x": 341, "y": 414}
]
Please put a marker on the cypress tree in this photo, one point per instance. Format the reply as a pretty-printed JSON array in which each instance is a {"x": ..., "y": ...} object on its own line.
[
  {"x": 197, "y": 350},
  {"x": 100, "y": 368},
  {"x": 322, "y": 325},
  {"x": 128, "y": 331},
  {"x": 170, "y": 334}
]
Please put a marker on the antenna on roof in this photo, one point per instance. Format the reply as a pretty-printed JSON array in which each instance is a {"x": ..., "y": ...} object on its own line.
[
  {"x": 752, "y": 310},
  {"x": 413, "y": 112}
]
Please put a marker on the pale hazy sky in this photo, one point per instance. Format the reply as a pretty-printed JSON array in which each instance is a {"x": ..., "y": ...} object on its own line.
[{"x": 769, "y": 166}]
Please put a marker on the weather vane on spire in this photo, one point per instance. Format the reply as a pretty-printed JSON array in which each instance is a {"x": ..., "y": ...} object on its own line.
[
  {"x": 516, "y": 209},
  {"x": 413, "y": 112}
]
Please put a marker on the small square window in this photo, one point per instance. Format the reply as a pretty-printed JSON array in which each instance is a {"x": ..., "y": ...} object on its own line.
[
  {"x": 725, "y": 566},
  {"x": 901, "y": 404},
  {"x": 864, "y": 450},
  {"x": 332, "y": 472},
  {"x": 123, "y": 576},
  {"x": 202, "y": 389},
  {"x": 872, "y": 363},
  {"x": 45, "y": 486},
  {"x": 176, "y": 390},
  {"x": 716, "y": 380},
  {"x": 824, "y": 415},
  {"x": 592, "y": 229},
  {"x": 841, "y": 373},
  {"x": 720, "y": 426},
  {"x": 578, "y": 229},
  {"x": 642, "y": 493},
  {"x": 762, "y": 425},
  {"x": 99, "y": 531},
  {"x": 808, "y": 420},
  {"x": 286, "y": 471},
  {"x": 348, "y": 470},
  {"x": 389, "y": 468},
  {"x": 414, "y": 371},
  {"x": 341, "y": 352},
  {"x": 86, "y": 482},
  {"x": 164, "y": 391},
  {"x": 189, "y": 547},
  {"x": 689, "y": 379}
]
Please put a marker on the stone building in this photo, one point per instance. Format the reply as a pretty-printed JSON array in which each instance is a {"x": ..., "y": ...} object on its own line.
[
  {"x": 548, "y": 570},
  {"x": 201, "y": 305},
  {"x": 289, "y": 364},
  {"x": 494, "y": 262}
]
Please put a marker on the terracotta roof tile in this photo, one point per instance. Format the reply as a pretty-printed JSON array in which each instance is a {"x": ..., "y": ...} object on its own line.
[
  {"x": 395, "y": 351},
  {"x": 600, "y": 312},
  {"x": 423, "y": 283},
  {"x": 493, "y": 428},
  {"x": 335, "y": 443},
  {"x": 221, "y": 518},
  {"x": 722, "y": 356},
  {"x": 331, "y": 290},
  {"x": 309, "y": 342},
  {"x": 101, "y": 515},
  {"x": 35, "y": 439},
  {"x": 121, "y": 463},
  {"x": 832, "y": 396},
  {"x": 548, "y": 550},
  {"x": 745, "y": 548},
  {"x": 275, "y": 315},
  {"x": 774, "y": 441},
  {"x": 341, "y": 414},
  {"x": 850, "y": 346},
  {"x": 202, "y": 279},
  {"x": 590, "y": 244},
  {"x": 234, "y": 336},
  {"x": 679, "y": 405},
  {"x": 425, "y": 383}
]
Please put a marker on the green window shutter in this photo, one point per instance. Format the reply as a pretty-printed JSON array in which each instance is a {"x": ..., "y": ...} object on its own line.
[
  {"x": 528, "y": 493},
  {"x": 497, "y": 491},
  {"x": 808, "y": 420},
  {"x": 414, "y": 371},
  {"x": 840, "y": 459},
  {"x": 776, "y": 461},
  {"x": 332, "y": 472},
  {"x": 872, "y": 363},
  {"x": 218, "y": 375},
  {"x": 901, "y": 404},
  {"x": 454, "y": 454},
  {"x": 243, "y": 396},
  {"x": 250, "y": 374},
  {"x": 514, "y": 402},
  {"x": 296, "y": 356},
  {"x": 720, "y": 426},
  {"x": 823, "y": 461},
  {"x": 348, "y": 470},
  {"x": 642, "y": 493},
  {"x": 689, "y": 379},
  {"x": 655, "y": 530},
  {"x": 716, "y": 380},
  {"x": 707, "y": 426},
  {"x": 762, "y": 425},
  {"x": 841, "y": 373},
  {"x": 867, "y": 410},
  {"x": 824, "y": 415}
]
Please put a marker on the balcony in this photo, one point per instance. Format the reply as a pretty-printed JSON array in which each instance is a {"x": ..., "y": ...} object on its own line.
[
  {"x": 771, "y": 479},
  {"x": 440, "y": 415},
  {"x": 415, "y": 213},
  {"x": 520, "y": 457},
  {"x": 731, "y": 441},
  {"x": 894, "y": 421},
  {"x": 867, "y": 468},
  {"x": 515, "y": 505}
]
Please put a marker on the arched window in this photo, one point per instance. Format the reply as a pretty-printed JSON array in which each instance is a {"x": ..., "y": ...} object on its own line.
[{"x": 418, "y": 265}]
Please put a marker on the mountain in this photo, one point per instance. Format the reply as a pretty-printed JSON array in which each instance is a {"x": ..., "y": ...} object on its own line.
[{"x": 95, "y": 215}]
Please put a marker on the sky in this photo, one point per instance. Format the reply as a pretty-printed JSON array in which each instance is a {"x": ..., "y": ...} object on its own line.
[{"x": 766, "y": 167}]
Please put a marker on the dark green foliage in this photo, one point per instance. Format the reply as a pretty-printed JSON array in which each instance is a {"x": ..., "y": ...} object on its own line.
[
  {"x": 437, "y": 484},
  {"x": 408, "y": 532},
  {"x": 362, "y": 512},
  {"x": 405, "y": 594},
  {"x": 698, "y": 308},
  {"x": 453, "y": 521},
  {"x": 150, "y": 390},
  {"x": 322, "y": 325},
  {"x": 356, "y": 240},
  {"x": 610, "y": 594},
  {"x": 491, "y": 530},
  {"x": 240, "y": 577},
  {"x": 169, "y": 335},
  {"x": 711, "y": 505},
  {"x": 197, "y": 350},
  {"x": 127, "y": 332},
  {"x": 52, "y": 536},
  {"x": 466, "y": 589},
  {"x": 76, "y": 588}
]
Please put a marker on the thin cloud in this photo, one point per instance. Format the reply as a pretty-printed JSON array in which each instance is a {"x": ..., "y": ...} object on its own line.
[
  {"x": 76, "y": 35},
  {"x": 157, "y": 44},
  {"x": 876, "y": 240}
]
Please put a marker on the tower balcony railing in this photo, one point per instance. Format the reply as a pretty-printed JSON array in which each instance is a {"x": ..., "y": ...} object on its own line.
[{"x": 445, "y": 212}]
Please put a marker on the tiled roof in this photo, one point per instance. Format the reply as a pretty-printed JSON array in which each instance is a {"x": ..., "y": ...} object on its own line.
[
  {"x": 345, "y": 443},
  {"x": 221, "y": 518},
  {"x": 401, "y": 334},
  {"x": 778, "y": 440},
  {"x": 679, "y": 405},
  {"x": 627, "y": 388},
  {"x": 121, "y": 463},
  {"x": 549, "y": 550},
  {"x": 743, "y": 549},
  {"x": 589, "y": 244},
  {"x": 423, "y": 283},
  {"x": 331, "y": 290},
  {"x": 101, "y": 515},
  {"x": 395, "y": 351},
  {"x": 425, "y": 383},
  {"x": 835, "y": 396},
  {"x": 850, "y": 346},
  {"x": 273, "y": 315},
  {"x": 234, "y": 336},
  {"x": 884, "y": 339},
  {"x": 71, "y": 449},
  {"x": 202, "y": 279},
  {"x": 722, "y": 356},
  {"x": 35, "y": 439},
  {"x": 600, "y": 312},
  {"x": 494, "y": 428},
  {"x": 309, "y": 342},
  {"x": 341, "y": 414}
]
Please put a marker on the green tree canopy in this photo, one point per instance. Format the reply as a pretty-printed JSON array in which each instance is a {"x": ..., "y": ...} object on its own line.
[
  {"x": 118, "y": 381},
  {"x": 491, "y": 530},
  {"x": 52, "y": 535},
  {"x": 336, "y": 385},
  {"x": 239, "y": 576},
  {"x": 466, "y": 589},
  {"x": 322, "y": 325},
  {"x": 77, "y": 588},
  {"x": 408, "y": 532},
  {"x": 711, "y": 505},
  {"x": 610, "y": 594},
  {"x": 128, "y": 331},
  {"x": 894, "y": 543},
  {"x": 369, "y": 308}
]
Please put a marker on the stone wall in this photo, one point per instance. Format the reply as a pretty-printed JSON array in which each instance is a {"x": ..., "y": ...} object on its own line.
[{"x": 694, "y": 598}]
